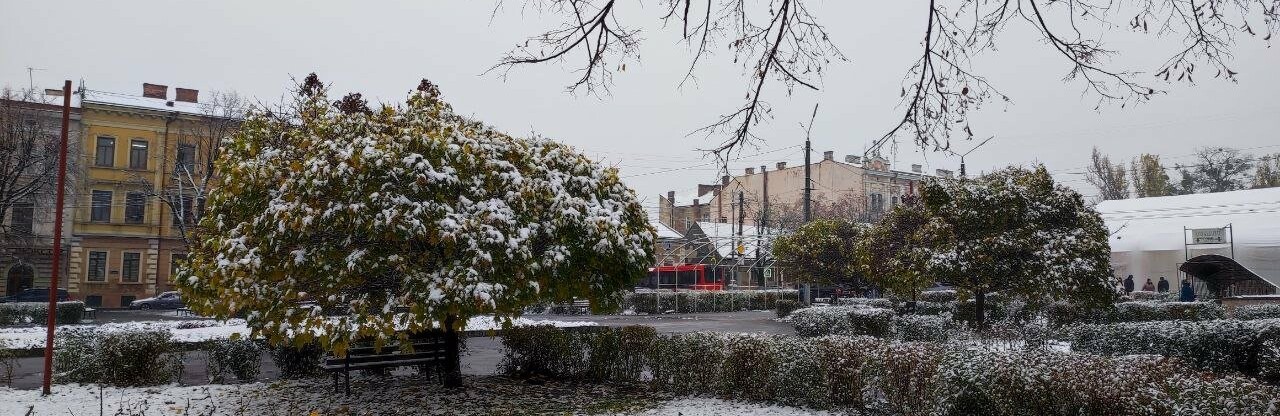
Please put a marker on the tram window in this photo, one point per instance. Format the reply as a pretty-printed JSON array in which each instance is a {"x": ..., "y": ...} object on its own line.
[{"x": 688, "y": 277}]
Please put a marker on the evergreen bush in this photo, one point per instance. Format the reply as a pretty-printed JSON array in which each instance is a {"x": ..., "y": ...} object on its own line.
[
  {"x": 655, "y": 302},
  {"x": 117, "y": 358},
  {"x": 1261, "y": 311},
  {"x": 1221, "y": 345},
  {"x": 36, "y": 313},
  {"x": 297, "y": 361},
  {"x": 240, "y": 358},
  {"x": 842, "y": 320},
  {"x": 783, "y": 307}
]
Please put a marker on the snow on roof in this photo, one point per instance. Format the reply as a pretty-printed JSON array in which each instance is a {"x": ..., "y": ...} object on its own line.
[
  {"x": 687, "y": 199},
  {"x": 135, "y": 101},
  {"x": 1156, "y": 224},
  {"x": 666, "y": 232}
]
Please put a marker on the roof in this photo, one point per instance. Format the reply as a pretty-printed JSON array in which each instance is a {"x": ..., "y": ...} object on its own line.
[
  {"x": 683, "y": 200},
  {"x": 139, "y": 102},
  {"x": 1157, "y": 224},
  {"x": 665, "y": 232}
]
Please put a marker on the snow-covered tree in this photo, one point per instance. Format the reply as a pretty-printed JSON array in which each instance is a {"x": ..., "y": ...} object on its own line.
[
  {"x": 822, "y": 252},
  {"x": 895, "y": 253},
  {"x": 1016, "y": 231},
  {"x": 409, "y": 217}
]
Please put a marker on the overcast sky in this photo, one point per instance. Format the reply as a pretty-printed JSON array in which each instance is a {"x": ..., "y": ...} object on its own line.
[{"x": 381, "y": 48}]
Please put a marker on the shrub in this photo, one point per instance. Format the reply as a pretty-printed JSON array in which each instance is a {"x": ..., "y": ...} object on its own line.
[
  {"x": 8, "y": 360},
  {"x": 929, "y": 308},
  {"x": 935, "y": 328},
  {"x": 117, "y": 358},
  {"x": 297, "y": 361},
  {"x": 589, "y": 353},
  {"x": 865, "y": 375},
  {"x": 241, "y": 358},
  {"x": 1060, "y": 313},
  {"x": 704, "y": 301},
  {"x": 1143, "y": 295},
  {"x": 1219, "y": 346},
  {"x": 36, "y": 313},
  {"x": 1260, "y": 311},
  {"x": 867, "y": 302},
  {"x": 940, "y": 296},
  {"x": 783, "y": 307},
  {"x": 842, "y": 320}
]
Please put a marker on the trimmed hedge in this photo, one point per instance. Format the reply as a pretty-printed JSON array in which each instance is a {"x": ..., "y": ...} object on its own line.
[
  {"x": 1143, "y": 295},
  {"x": 939, "y": 296},
  {"x": 704, "y": 301},
  {"x": 1248, "y": 347},
  {"x": 1262, "y": 311},
  {"x": 867, "y": 375},
  {"x": 116, "y": 358},
  {"x": 1061, "y": 313},
  {"x": 866, "y": 302},
  {"x": 297, "y": 361},
  {"x": 842, "y": 320},
  {"x": 36, "y": 313},
  {"x": 240, "y": 358}
]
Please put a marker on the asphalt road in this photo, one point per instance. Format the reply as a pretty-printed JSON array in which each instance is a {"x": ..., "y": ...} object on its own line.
[{"x": 482, "y": 354}]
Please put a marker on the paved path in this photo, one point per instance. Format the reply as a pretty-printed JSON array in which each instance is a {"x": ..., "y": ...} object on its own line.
[{"x": 483, "y": 354}]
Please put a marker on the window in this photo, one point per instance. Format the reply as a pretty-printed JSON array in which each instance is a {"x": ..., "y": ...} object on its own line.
[
  {"x": 130, "y": 270},
  {"x": 186, "y": 159},
  {"x": 101, "y": 206},
  {"x": 138, "y": 154},
  {"x": 93, "y": 301},
  {"x": 125, "y": 300},
  {"x": 97, "y": 266},
  {"x": 22, "y": 222},
  {"x": 135, "y": 207},
  {"x": 877, "y": 202},
  {"x": 106, "y": 153}
]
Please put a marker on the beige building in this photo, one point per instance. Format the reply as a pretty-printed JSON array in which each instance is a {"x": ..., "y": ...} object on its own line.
[{"x": 851, "y": 188}]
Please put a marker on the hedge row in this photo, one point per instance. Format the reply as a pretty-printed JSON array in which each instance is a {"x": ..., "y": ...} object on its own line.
[
  {"x": 1062, "y": 313},
  {"x": 876, "y": 322},
  {"x": 1262, "y": 311},
  {"x": 36, "y": 313},
  {"x": 1143, "y": 295},
  {"x": 703, "y": 301},
  {"x": 1248, "y": 347},
  {"x": 147, "y": 358},
  {"x": 862, "y": 374}
]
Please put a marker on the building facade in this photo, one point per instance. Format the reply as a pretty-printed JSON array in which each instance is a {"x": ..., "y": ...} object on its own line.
[
  {"x": 30, "y": 190},
  {"x": 129, "y": 223}
]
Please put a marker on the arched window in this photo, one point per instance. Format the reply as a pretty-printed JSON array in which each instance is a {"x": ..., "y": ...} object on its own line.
[{"x": 20, "y": 277}]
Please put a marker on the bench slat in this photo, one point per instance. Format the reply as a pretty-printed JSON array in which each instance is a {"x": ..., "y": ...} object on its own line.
[{"x": 382, "y": 364}]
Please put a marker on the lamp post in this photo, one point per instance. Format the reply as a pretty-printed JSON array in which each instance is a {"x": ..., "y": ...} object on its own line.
[{"x": 57, "y": 239}]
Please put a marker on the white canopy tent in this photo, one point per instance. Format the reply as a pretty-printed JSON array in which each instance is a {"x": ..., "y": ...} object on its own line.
[{"x": 1149, "y": 235}]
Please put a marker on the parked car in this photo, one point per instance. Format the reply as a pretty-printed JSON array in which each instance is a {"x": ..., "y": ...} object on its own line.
[
  {"x": 36, "y": 295},
  {"x": 166, "y": 300}
]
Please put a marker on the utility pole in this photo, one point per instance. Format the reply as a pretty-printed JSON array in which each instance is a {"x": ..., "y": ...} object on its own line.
[
  {"x": 57, "y": 239},
  {"x": 962, "y": 172},
  {"x": 737, "y": 244},
  {"x": 805, "y": 296}
]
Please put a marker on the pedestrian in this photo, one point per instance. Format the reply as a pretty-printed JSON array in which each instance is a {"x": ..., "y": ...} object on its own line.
[
  {"x": 1128, "y": 284},
  {"x": 1163, "y": 286},
  {"x": 1149, "y": 287},
  {"x": 1188, "y": 294}
]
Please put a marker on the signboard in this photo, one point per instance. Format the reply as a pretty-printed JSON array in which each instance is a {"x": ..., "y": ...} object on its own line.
[
  {"x": 1208, "y": 236},
  {"x": 741, "y": 249},
  {"x": 768, "y": 272}
]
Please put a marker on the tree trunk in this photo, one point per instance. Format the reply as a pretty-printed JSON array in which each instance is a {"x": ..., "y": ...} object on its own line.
[
  {"x": 453, "y": 363},
  {"x": 980, "y": 304}
]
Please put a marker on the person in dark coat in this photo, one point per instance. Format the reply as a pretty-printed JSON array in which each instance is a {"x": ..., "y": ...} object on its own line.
[
  {"x": 1188, "y": 294},
  {"x": 1148, "y": 287},
  {"x": 1163, "y": 286},
  {"x": 1128, "y": 284}
]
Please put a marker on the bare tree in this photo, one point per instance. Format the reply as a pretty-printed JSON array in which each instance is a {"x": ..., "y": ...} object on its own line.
[
  {"x": 1217, "y": 169},
  {"x": 782, "y": 41},
  {"x": 30, "y": 131},
  {"x": 1108, "y": 178},
  {"x": 189, "y": 171},
  {"x": 1267, "y": 174}
]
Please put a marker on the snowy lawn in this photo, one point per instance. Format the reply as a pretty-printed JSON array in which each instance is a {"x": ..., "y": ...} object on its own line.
[
  {"x": 207, "y": 329},
  {"x": 374, "y": 396}
]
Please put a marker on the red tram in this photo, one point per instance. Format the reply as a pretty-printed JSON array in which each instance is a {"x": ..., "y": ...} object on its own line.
[{"x": 685, "y": 276}]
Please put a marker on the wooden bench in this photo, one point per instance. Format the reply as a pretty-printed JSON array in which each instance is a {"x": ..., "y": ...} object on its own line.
[
  {"x": 427, "y": 350},
  {"x": 183, "y": 312}
]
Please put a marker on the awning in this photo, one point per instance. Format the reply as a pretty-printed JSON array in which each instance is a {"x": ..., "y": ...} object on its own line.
[{"x": 1225, "y": 277}]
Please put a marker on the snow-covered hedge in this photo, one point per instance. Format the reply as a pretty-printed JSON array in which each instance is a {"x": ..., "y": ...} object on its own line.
[
  {"x": 1061, "y": 313},
  {"x": 866, "y": 302},
  {"x": 865, "y": 375},
  {"x": 1143, "y": 295},
  {"x": 240, "y": 358},
  {"x": 117, "y": 358},
  {"x": 1248, "y": 347},
  {"x": 35, "y": 313},
  {"x": 1262, "y": 311},
  {"x": 928, "y": 308},
  {"x": 703, "y": 301},
  {"x": 842, "y": 320},
  {"x": 938, "y": 296}
]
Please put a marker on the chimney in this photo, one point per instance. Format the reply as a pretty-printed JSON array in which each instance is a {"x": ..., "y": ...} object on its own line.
[
  {"x": 155, "y": 91},
  {"x": 671, "y": 197},
  {"x": 915, "y": 168},
  {"x": 751, "y": 171},
  {"x": 188, "y": 95},
  {"x": 724, "y": 180},
  {"x": 762, "y": 168},
  {"x": 943, "y": 173},
  {"x": 781, "y": 166},
  {"x": 852, "y": 160},
  {"x": 828, "y": 155}
]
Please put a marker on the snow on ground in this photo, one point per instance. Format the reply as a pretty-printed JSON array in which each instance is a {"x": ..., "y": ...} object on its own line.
[
  {"x": 207, "y": 329},
  {"x": 375, "y": 396}
]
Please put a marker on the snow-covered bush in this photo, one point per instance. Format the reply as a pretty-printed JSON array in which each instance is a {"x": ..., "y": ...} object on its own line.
[
  {"x": 36, "y": 313},
  {"x": 1143, "y": 295},
  {"x": 882, "y": 303},
  {"x": 297, "y": 361},
  {"x": 1260, "y": 311},
  {"x": 934, "y": 328},
  {"x": 117, "y": 358},
  {"x": 783, "y": 307},
  {"x": 938, "y": 296},
  {"x": 589, "y": 353},
  {"x": 1062, "y": 313},
  {"x": 241, "y": 358},
  {"x": 928, "y": 308},
  {"x": 704, "y": 301},
  {"x": 842, "y": 320},
  {"x": 1221, "y": 345},
  {"x": 864, "y": 375}
]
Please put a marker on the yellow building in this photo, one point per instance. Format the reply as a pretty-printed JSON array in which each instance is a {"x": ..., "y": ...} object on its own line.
[{"x": 138, "y": 152}]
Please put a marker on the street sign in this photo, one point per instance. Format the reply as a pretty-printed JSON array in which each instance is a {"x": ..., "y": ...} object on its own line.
[
  {"x": 768, "y": 272},
  {"x": 742, "y": 249},
  {"x": 1208, "y": 236}
]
